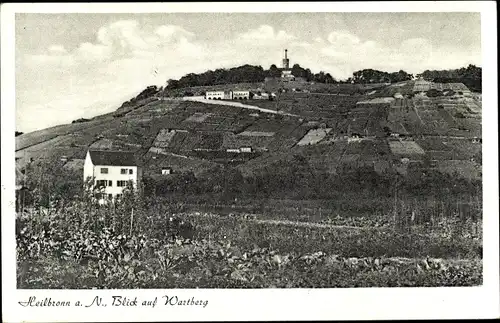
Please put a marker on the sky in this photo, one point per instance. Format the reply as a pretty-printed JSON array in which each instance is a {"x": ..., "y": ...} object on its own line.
[{"x": 70, "y": 66}]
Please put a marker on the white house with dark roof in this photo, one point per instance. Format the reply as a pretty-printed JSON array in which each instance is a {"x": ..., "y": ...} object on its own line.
[{"x": 111, "y": 171}]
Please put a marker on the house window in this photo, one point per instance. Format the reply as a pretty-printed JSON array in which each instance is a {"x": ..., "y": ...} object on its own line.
[
  {"x": 123, "y": 171},
  {"x": 104, "y": 170},
  {"x": 110, "y": 183},
  {"x": 101, "y": 183},
  {"x": 121, "y": 183},
  {"x": 110, "y": 196},
  {"x": 130, "y": 171}
]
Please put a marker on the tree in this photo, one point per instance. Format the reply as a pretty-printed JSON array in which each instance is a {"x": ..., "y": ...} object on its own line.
[
  {"x": 308, "y": 75},
  {"x": 173, "y": 84},
  {"x": 471, "y": 76},
  {"x": 298, "y": 71},
  {"x": 274, "y": 71},
  {"x": 329, "y": 78}
]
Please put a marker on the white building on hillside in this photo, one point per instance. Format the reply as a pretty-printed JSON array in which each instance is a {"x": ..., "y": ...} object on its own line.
[
  {"x": 111, "y": 171},
  {"x": 219, "y": 95},
  {"x": 241, "y": 95}
]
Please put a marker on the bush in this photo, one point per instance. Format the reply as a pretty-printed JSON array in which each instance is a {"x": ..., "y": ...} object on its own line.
[
  {"x": 432, "y": 93},
  {"x": 80, "y": 120}
]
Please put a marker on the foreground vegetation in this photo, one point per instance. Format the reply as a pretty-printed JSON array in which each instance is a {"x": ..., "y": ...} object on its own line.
[{"x": 136, "y": 244}]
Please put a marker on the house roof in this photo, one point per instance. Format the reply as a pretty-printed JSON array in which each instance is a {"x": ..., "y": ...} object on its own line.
[{"x": 112, "y": 158}]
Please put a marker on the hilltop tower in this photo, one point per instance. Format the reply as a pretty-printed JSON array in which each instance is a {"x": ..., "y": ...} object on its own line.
[{"x": 286, "y": 61}]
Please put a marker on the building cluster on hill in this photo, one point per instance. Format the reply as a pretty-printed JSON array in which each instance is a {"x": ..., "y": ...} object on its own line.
[{"x": 238, "y": 95}]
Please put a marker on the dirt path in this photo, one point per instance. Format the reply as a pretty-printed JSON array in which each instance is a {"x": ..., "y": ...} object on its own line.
[
  {"x": 310, "y": 224},
  {"x": 328, "y": 94},
  {"x": 315, "y": 225},
  {"x": 234, "y": 104}
]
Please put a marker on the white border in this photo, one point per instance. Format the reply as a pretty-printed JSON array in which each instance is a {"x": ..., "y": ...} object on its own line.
[{"x": 286, "y": 304}]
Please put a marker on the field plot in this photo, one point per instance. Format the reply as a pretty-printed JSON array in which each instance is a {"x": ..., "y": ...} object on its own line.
[
  {"x": 436, "y": 86},
  {"x": 39, "y": 136},
  {"x": 441, "y": 155},
  {"x": 314, "y": 136},
  {"x": 225, "y": 157},
  {"x": 397, "y": 128},
  {"x": 369, "y": 150},
  {"x": 75, "y": 164},
  {"x": 198, "y": 141},
  {"x": 447, "y": 117},
  {"x": 256, "y": 133},
  {"x": 46, "y": 149},
  {"x": 162, "y": 107},
  {"x": 311, "y": 105},
  {"x": 381, "y": 100},
  {"x": 164, "y": 138},
  {"x": 410, "y": 122},
  {"x": 405, "y": 148},
  {"x": 102, "y": 144},
  {"x": 177, "y": 142},
  {"x": 49, "y": 153},
  {"x": 324, "y": 158},
  {"x": 471, "y": 125},
  {"x": 170, "y": 121},
  {"x": 433, "y": 144},
  {"x": 454, "y": 86},
  {"x": 339, "y": 128},
  {"x": 434, "y": 124},
  {"x": 148, "y": 107},
  {"x": 422, "y": 102},
  {"x": 403, "y": 88},
  {"x": 198, "y": 117},
  {"x": 179, "y": 164},
  {"x": 404, "y": 104},
  {"x": 232, "y": 141},
  {"x": 264, "y": 160},
  {"x": 271, "y": 126},
  {"x": 464, "y": 149},
  {"x": 464, "y": 168},
  {"x": 473, "y": 106},
  {"x": 233, "y": 125},
  {"x": 324, "y": 88},
  {"x": 421, "y": 86}
]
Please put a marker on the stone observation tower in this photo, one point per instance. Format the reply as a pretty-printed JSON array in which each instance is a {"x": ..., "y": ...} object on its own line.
[{"x": 286, "y": 61}]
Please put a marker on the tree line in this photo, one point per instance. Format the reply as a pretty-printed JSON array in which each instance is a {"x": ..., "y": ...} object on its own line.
[
  {"x": 471, "y": 76},
  {"x": 244, "y": 74},
  {"x": 375, "y": 76}
]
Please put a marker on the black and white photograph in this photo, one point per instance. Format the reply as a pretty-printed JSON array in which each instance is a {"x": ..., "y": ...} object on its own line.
[{"x": 261, "y": 150}]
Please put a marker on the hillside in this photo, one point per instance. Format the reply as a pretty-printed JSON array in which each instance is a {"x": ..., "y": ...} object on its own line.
[{"x": 388, "y": 129}]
